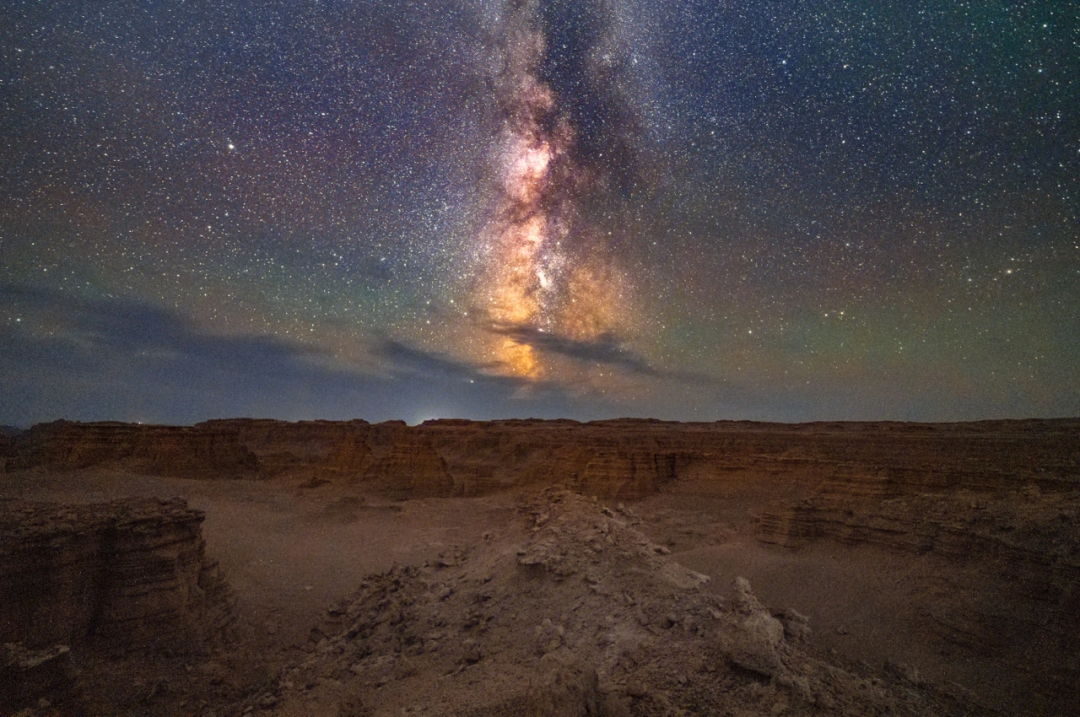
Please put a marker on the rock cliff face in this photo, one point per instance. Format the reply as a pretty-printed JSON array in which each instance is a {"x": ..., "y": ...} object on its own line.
[
  {"x": 121, "y": 577},
  {"x": 996, "y": 505},
  {"x": 1022, "y": 608},
  {"x": 82, "y": 585},
  {"x": 622, "y": 459},
  {"x": 7, "y": 448}
]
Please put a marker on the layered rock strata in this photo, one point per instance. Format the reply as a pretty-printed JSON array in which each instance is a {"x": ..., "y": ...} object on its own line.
[
  {"x": 108, "y": 580},
  {"x": 623, "y": 459},
  {"x": 1019, "y": 547},
  {"x": 997, "y": 499},
  {"x": 152, "y": 450}
]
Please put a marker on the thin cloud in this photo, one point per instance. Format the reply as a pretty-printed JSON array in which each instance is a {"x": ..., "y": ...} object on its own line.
[
  {"x": 604, "y": 349},
  {"x": 63, "y": 356}
]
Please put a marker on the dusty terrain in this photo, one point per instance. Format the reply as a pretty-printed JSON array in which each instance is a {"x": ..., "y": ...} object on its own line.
[{"x": 906, "y": 569}]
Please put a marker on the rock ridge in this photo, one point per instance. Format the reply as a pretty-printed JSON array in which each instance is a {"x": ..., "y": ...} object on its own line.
[
  {"x": 569, "y": 611},
  {"x": 620, "y": 459}
]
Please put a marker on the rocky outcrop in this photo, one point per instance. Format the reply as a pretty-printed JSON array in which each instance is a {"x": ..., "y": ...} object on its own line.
[
  {"x": 7, "y": 445},
  {"x": 122, "y": 577},
  {"x": 27, "y": 676},
  {"x": 568, "y": 611},
  {"x": 84, "y": 584},
  {"x": 305, "y": 448},
  {"x": 998, "y": 499},
  {"x": 1025, "y": 610},
  {"x": 627, "y": 473},
  {"x": 407, "y": 469}
]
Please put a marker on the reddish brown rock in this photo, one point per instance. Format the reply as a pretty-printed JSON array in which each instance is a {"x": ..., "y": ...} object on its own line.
[
  {"x": 571, "y": 612},
  {"x": 1025, "y": 541},
  {"x": 302, "y": 448},
  {"x": 407, "y": 469},
  {"x": 624, "y": 459},
  {"x": 82, "y": 585},
  {"x": 981, "y": 518},
  {"x": 126, "y": 576},
  {"x": 621, "y": 473}
]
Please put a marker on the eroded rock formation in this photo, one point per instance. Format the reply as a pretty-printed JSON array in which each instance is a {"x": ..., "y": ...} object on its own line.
[
  {"x": 622, "y": 459},
  {"x": 570, "y": 611},
  {"x": 1023, "y": 545},
  {"x": 995, "y": 503},
  {"x": 98, "y": 582}
]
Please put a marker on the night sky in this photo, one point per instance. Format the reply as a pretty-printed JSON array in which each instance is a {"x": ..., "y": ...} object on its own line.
[{"x": 732, "y": 209}]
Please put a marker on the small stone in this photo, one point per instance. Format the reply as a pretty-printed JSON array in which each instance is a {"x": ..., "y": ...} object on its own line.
[
  {"x": 796, "y": 625},
  {"x": 907, "y": 673},
  {"x": 552, "y": 645},
  {"x": 825, "y": 701},
  {"x": 472, "y": 653}
]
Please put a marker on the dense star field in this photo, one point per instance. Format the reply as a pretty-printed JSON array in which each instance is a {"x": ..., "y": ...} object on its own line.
[{"x": 402, "y": 209}]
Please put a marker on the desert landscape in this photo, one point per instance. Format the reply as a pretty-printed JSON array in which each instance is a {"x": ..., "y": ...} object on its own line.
[
  {"x": 788, "y": 289},
  {"x": 624, "y": 567}
]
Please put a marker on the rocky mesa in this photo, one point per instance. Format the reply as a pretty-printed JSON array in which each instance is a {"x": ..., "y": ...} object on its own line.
[{"x": 618, "y": 459}]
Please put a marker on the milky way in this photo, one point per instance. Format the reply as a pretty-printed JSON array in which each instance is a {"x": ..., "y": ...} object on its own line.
[
  {"x": 838, "y": 209},
  {"x": 545, "y": 272}
]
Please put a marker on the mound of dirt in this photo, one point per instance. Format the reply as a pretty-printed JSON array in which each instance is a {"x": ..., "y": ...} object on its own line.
[{"x": 570, "y": 610}]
